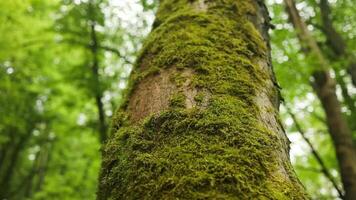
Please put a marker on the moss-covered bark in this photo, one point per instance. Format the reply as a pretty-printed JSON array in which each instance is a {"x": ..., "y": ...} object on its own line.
[{"x": 201, "y": 121}]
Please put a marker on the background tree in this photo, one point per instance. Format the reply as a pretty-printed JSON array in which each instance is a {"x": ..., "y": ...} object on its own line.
[
  {"x": 24, "y": 124},
  {"x": 325, "y": 88},
  {"x": 49, "y": 141},
  {"x": 287, "y": 54}
]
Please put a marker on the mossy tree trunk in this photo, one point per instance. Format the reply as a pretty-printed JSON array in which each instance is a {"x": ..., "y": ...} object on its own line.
[{"x": 201, "y": 120}]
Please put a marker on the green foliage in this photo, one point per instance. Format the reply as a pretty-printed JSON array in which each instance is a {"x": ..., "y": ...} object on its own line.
[{"x": 48, "y": 118}]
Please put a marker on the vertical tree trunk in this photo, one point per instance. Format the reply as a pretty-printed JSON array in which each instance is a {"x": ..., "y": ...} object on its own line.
[
  {"x": 340, "y": 132},
  {"x": 9, "y": 170},
  {"x": 6, "y": 148},
  {"x": 201, "y": 120},
  {"x": 335, "y": 40},
  {"x": 339, "y": 48},
  {"x": 94, "y": 48},
  {"x": 325, "y": 88}
]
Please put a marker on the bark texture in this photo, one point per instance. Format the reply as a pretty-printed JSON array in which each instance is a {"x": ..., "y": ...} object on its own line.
[
  {"x": 325, "y": 89},
  {"x": 201, "y": 120}
]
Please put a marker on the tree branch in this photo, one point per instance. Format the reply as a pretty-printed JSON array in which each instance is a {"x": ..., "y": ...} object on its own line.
[
  {"x": 316, "y": 155},
  {"x": 115, "y": 51},
  {"x": 102, "y": 47}
]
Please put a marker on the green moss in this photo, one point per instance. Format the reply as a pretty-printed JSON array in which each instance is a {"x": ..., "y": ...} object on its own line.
[
  {"x": 139, "y": 75},
  {"x": 177, "y": 100},
  {"x": 178, "y": 79},
  {"x": 118, "y": 120},
  {"x": 217, "y": 151},
  {"x": 199, "y": 98},
  {"x": 219, "y": 44}
]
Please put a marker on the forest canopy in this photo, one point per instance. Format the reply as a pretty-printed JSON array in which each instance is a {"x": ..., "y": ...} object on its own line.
[{"x": 65, "y": 69}]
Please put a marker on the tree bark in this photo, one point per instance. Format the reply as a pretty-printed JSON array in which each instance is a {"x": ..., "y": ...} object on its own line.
[
  {"x": 201, "y": 121},
  {"x": 325, "y": 89}
]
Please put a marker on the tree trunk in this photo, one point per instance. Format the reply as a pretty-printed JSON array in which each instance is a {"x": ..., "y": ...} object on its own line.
[
  {"x": 325, "y": 89},
  {"x": 335, "y": 40},
  {"x": 339, "y": 131},
  {"x": 8, "y": 173},
  {"x": 97, "y": 90},
  {"x": 201, "y": 121},
  {"x": 339, "y": 48}
]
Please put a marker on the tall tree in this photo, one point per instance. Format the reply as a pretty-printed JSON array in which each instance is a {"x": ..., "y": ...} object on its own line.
[
  {"x": 79, "y": 27},
  {"x": 82, "y": 26},
  {"x": 201, "y": 120},
  {"x": 335, "y": 40},
  {"x": 337, "y": 44},
  {"x": 325, "y": 88}
]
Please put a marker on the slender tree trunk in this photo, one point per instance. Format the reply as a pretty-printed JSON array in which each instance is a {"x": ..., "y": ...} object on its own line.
[
  {"x": 335, "y": 40},
  {"x": 315, "y": 154},
  {"x": 325, "y": 88},
  {"x": 6, "y": 149},
  {"x": 201, "y": 120},
  {"x": 9, "y": 169},
  {"x": 339, "y": 48},
  {"x": 27, "y": 184},
  {"x": 44, "y": 159},
  {"x": 102, "y": 127}
]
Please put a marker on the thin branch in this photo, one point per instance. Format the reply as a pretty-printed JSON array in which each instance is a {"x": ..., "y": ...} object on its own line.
[
  {"x": 311, "y": 169},
  {"x": 316, "y": 155},
  {"x": 316, "y": 116},
  {"x": 102, "y": 47},
  {"x": 115, "y": 51}
]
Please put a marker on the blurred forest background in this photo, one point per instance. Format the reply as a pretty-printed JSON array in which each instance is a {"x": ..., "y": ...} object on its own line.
[{"x": 64, "y": 65}]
